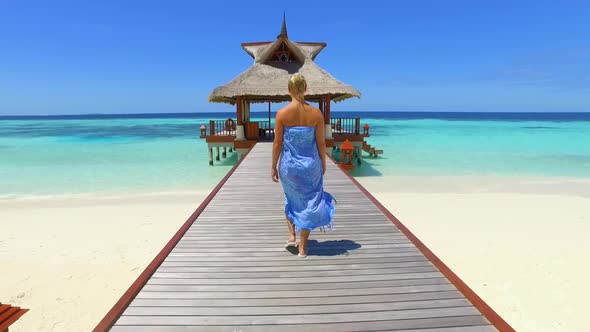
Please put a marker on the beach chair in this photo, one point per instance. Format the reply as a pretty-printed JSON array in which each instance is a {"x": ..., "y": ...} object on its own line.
[{"x": 9, "y": 315}]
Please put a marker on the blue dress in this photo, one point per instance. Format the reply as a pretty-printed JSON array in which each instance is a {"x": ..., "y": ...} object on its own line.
[{"x": 307, "y": 205}]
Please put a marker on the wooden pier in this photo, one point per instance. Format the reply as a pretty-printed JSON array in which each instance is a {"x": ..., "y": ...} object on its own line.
[{"x": 227, "y": 269}]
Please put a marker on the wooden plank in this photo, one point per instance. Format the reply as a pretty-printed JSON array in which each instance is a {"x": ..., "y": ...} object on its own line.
[
  {"x": 167, "y": 273},
  {"x": 254, "y": 257},
  {"x": 358, "y": 268},
  {"x": 473, "y": 323},
  {"x": 299, "y": 319},
  {"x": 301, "y": 308},
  {"x": 268, "y": 282},
  {"x": 300, "y": 263},
  {"x": 238, "y": 250},
  {"x": 139, "y": 302},
  {"x": 311, "y": 290},
  {"x": 280, "y": 242}
]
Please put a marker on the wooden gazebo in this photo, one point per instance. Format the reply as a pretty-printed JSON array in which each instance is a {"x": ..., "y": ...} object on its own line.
[{"x": 266, "y": 82}]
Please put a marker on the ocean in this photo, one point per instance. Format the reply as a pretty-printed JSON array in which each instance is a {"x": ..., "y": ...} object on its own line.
[{"x": 60, "y": 155}]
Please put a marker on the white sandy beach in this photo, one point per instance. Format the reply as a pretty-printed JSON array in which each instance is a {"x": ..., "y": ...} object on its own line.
[
  {"x": 519, "y": 243},
  {"x": 69, "y": 260},
  {"x": 523, "y": 252}
]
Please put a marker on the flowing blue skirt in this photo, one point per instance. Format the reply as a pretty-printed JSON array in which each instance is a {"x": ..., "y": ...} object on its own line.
[{"x": 307, "y": 205}]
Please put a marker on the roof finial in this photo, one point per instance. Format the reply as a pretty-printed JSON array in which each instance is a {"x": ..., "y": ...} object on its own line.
[{"x": 283, "y": 28}]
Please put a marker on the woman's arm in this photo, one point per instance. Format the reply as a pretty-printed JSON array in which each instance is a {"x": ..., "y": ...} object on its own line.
[
  {"x": 320, "y": 139},
  {"x": 277, "y": 145}
]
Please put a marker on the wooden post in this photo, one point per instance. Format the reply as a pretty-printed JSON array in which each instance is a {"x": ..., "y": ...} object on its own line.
[
  {"x": 210, "y": 155},
  {"x": 357, "y": 126},
  {"x": 217, "y": 157},
  {"x": 327, "y": 110},
  {"x": 224, "y": 152},
  {"x": 211, "y": 127},
  {"x": 239, "y": 111},
  {"x": 246, "y": 110}
]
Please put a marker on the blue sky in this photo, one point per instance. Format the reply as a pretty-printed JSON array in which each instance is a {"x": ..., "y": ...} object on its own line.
[{"x": 78, "y": 57}]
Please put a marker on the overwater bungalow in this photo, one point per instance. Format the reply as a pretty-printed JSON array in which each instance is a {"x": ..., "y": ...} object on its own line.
[{"x": 266, "y": 82}]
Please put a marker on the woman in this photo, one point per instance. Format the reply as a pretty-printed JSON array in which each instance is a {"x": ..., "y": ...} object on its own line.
[{"x": 299, "y": 141}]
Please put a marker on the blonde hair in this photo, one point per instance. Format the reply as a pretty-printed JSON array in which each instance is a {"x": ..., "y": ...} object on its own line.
[{"x": 297, "y": 83}]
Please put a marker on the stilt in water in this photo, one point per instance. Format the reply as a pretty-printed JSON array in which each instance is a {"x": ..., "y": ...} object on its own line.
[
  {"x": 210, "y": 156},
  {"x": 217, "y": 157},
  {"x": 224, "y": 152}
]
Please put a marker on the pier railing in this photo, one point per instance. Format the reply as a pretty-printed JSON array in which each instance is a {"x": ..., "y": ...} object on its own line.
[
  {"x": 263, "y": 130},
  {"x": 346, "y": 126},
  {"x": 222, "y": 127}
]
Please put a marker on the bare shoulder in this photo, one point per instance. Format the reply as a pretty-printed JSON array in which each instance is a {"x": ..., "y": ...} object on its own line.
[
  {"x": 281, "y": 113},
  {"x": 317, "y": 114}
]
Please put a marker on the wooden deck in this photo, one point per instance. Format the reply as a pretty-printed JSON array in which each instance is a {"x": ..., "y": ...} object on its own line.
[{"x": 229, "y": 271}]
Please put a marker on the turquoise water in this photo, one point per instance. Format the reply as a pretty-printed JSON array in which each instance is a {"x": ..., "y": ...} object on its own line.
[
  {"x": 460, "y": 147},
  {"x": 71, "y": 156},
  {"x": 81, "y": 156}
]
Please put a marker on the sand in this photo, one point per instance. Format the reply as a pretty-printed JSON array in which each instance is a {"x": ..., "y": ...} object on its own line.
[
  {"x": 523, "y": 250},
  {"x": 525, "y": 254},
  {"x": 69, "y": 260}
]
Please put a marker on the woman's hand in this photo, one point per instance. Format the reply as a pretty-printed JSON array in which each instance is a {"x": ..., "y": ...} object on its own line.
[{"x": 275, "y": 174}]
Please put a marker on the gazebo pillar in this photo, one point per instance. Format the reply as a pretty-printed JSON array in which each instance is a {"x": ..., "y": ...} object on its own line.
[
  {"x": 240, "y": 117},
  {"x": 328, "y": 126},
  {"x": 327, "y": 117}
]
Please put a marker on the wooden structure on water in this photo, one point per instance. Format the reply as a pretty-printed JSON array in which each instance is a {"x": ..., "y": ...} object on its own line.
[
  {"x": 266, "y": 82},
  {"x": 226, "y": 269}
]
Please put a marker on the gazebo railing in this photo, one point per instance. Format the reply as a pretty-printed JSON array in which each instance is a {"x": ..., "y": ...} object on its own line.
[
  {"x": 346, "y": 126},
  {"x": 222, "y": 127},
  {"x": 266, "y": 131},
  {"x": 340, "y": 126}
]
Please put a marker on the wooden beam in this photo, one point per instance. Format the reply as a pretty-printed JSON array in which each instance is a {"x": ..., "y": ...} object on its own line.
[
  {"x": 246, "y": 144},
  {"x": 327, "y": 110},
  {"x": 220, "y": 139},
  {"x": 239, "y": 111}
]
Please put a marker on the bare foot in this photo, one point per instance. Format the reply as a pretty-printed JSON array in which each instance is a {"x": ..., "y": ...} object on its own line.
[{"x": 292, "y": 239}]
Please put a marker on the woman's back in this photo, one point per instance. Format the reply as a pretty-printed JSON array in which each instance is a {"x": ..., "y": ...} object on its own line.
[{"x": 296, "y": 114}]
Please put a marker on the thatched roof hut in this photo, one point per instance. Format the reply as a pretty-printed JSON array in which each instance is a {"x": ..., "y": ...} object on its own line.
[{"x": 274, "y": 62}]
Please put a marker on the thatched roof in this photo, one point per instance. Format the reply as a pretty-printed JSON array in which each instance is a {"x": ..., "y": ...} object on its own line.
[{"x": 267, "y": 78}]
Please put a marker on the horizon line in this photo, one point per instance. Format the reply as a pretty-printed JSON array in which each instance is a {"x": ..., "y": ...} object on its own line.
[{"x": 266, "y": 112}]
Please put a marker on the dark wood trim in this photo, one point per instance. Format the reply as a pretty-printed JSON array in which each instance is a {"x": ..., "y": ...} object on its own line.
[
  {"x": 111, "y": 317},
  {"x": 244, "y": 144},
  {"x": 256, "y": 43},
  {"x": 239, "y": 110},
  {"x": 477, "y": 301},
  {"x": 312, "y": 43},
  {"x": 220, "y": 139},
  {"x": 327, "y": 110},
  {"x": 329, "y": 143},
  {"x": 9, "y": 315}
]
